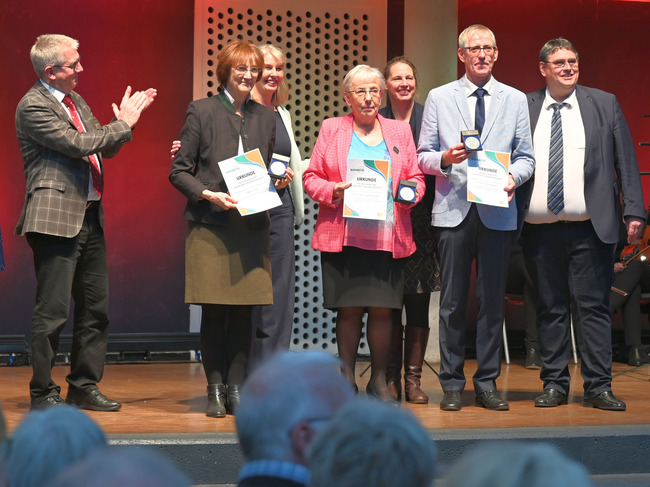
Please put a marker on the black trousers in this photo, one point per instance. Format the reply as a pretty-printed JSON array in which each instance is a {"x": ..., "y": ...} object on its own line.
[
  {"x": 64, "y": 267},
  {"x": 458, "y": 247},
  {"x": 569, "y": 264}
]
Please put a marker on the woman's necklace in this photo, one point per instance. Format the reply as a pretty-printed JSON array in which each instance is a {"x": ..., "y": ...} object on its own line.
[{"x": 363, "y": 131}]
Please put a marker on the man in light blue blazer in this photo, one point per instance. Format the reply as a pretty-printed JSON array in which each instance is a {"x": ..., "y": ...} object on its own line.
[{"x": 468, "y": 231}]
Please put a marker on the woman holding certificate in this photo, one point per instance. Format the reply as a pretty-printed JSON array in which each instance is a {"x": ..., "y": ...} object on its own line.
[
  {"x": 226, "y": 254},
  {"x": 364, "y": 175},
  {"x": 272, "y": 325},
  {"x": 409, "y": 343}
]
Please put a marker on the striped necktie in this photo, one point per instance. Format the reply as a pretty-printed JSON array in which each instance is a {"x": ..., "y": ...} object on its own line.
[{"x": 555, "y": 195}]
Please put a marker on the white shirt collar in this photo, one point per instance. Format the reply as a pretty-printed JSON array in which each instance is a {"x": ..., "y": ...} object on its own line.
[
  {"x": 470, "y": 87},
  {"x": 570, "y": 100},
  {"x": 57, "y": 93}
]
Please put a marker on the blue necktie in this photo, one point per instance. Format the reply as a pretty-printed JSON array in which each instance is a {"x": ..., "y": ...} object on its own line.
[
  {"x": 555, "y": 195},
  {"x": 479, "y": 118}
]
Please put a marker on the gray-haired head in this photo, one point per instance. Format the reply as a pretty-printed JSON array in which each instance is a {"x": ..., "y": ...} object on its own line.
[
  {"x": 370, "y": 443},
  {"x": 48, "y": 51},
  {"x": 464, "y": 36},
  {"x": 46, "y": 442},
  {"x": 516, "y": 464},
  {"x": 361, "y": 74},
  {"x": 123, "y": 466},
  {"x": 285, "y": 400}
]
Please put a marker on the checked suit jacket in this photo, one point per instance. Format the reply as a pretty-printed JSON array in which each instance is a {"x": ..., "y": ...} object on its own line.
[{"x": 56, "y": 164}]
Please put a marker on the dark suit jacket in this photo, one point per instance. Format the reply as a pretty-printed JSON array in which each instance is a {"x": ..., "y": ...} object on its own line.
[
  {"x": 210, "y": 135},
  {"x": 610, "y": 161},
  {"x": 56, "y": 161}
]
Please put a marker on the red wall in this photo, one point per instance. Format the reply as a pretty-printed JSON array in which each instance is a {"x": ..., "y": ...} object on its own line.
[
  {"x": 144, "y": 43},
  {"x": 149, "y": 43},
  {"x": 610, "y": 36}
]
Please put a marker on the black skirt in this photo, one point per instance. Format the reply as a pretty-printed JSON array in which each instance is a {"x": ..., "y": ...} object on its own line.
[{"x": 362, "y": 278}]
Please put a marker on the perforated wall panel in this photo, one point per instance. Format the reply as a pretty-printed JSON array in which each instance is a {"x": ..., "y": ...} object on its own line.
[{"x": 322, "y": 42}]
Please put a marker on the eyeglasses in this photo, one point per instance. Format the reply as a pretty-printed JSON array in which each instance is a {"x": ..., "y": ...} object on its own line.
[
  {"x": 560, "y": 63},
  {"x": 361, "y": 93},
  {"x": 243, "y": 69},
  {"x": 488, "y": 50},
  {"x": 73, "y": 67}
]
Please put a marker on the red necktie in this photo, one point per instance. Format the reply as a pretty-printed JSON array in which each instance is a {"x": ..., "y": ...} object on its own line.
[{"x": 98, "y": 183}]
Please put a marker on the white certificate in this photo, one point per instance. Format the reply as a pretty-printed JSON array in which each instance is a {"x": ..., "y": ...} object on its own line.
[
  {"x": 487, "y": 175},
  {"x": 367, "y": 197},
  {"x": 248, "y": 181}
]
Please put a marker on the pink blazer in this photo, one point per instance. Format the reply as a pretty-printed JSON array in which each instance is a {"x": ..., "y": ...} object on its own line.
[{"x": 328, "y": 165}]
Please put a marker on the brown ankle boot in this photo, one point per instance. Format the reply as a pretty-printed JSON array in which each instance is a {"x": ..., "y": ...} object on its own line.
[
  {"x": 415, "y": 345},
  {"x": 394, "y": 369}
]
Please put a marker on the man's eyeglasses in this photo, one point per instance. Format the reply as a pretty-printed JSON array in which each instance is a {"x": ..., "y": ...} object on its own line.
[
  {"x": 560, "y": 63},
  {"x": 74, "y": 67},
  {"x": 488, "y": 50},
  {"x": 360, "y": 93},
  {"x": 243, "y": 69}
]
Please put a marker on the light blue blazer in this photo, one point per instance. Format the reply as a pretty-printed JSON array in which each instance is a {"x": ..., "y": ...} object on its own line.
[{"x": 506, "y": 129}]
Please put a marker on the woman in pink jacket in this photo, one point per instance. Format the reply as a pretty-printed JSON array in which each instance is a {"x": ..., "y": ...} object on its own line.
[{"x": 363, "y": 256}]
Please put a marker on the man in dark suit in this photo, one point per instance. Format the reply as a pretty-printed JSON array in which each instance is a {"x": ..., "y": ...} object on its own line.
[
  {"x": 62, "y": 145},
  {"x": 584, "y": 157}
]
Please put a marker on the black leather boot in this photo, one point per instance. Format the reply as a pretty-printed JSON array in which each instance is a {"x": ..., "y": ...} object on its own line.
[
  {"x": 232, "y": 401},
  {"x": 216, "y": 401}
]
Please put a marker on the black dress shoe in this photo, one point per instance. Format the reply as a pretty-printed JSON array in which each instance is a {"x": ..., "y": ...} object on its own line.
[
  {"x": 92, "y": 400},
  {"x": 42, "y": 403},
  {"x": 491, "y": 400},
  {"x": 451, "y": 401},
  {"x": 232, "y": 399},
  {"x": 550, "y": 399},
  {"x": 533, "y": 360},
  {"x": 605, "y": 400},
  {"x": 216, "y": 401},
  {"x": 634, "y": 356}
]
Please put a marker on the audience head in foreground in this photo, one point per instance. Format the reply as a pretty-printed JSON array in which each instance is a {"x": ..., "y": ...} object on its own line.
[
  {"x": 516, "y": 464},
  {"x": 124, "y": 466},
  {"x": 285, "y": 401},
  {"x": 370, "y": 443},
  {"x": 46, "y": 442}
]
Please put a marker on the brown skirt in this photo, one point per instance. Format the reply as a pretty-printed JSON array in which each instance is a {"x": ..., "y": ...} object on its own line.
[{"x": 227, "y": 264}]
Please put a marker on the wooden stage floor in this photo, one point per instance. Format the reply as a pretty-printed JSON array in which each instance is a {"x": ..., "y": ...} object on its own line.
[{"x": 169, "y": 398}]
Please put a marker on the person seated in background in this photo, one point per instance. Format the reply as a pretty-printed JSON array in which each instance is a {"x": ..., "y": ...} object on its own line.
[
  {"x": 372, "y": 444},
  {"x": 126, "y": 466},
  {"x": 46, "y": 442},
  {"x": 631, "y": 278},
  {"x": 516, "y": 464},
  {"x": 519, "y": 283},
  {"x": 284, "y": 402}
]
